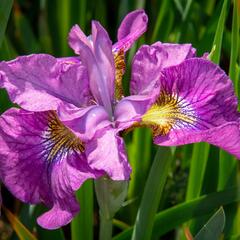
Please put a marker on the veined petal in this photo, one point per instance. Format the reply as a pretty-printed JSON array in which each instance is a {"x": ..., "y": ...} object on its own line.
[
  {"x": 131, "y": 28},
  {"x": 195, "y": 98},
  {"x": 96, "y": 55},
  {"x": 41, "y": 82},
  {"x": 106, "y": 152},
  {"x": 43, "y": 161},
  {"x": 226, "y": 136},
  {"x": 150, "y": 60}
]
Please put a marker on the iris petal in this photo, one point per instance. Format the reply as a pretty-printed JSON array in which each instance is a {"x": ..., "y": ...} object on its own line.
[
  {"x": 43, "y": 161},
  {"x": 196, "y": 99},
  {"x": 99, "y": 61},
  {"x": 30, "y": 79},
  {"x": 149, "y": 61},
  {"x": 106, "y": 152},
  {"x": 131, "y": 28}
]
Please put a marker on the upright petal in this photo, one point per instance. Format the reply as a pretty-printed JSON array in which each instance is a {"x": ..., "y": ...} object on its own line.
[
  {"x": 42, "y": 161},
  {"x": 41, "y": 82},
  {"x": 77, "y": 38},
  {"x": 131, "y": 28},
  {"x": 196, "y": 98},
  {"x": 106, "y": 152},
  {"x": 150, "y": 60},
  {"x": 96, "y": 55}
]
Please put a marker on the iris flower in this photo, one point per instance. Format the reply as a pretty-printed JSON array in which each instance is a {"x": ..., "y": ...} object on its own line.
[
  {"x": 195, "y": 100},
  {"x": 73, "y": 112},
  {"x": 66, "y": 130}
]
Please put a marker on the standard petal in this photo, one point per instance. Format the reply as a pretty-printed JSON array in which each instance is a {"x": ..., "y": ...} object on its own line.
[
  {"x": 41, "y": 82},
  {"x": 106, "y": 152},
  {"x": 149, "y": 61},
  {"x": 96, "y": 55},
  {"x": 104, "y": 56},
  {"x": 131, "y": 28},
  {"x": 195, "y": 97},
  {"x": 42, "y": 161},
  {"x": 76, "y": 38}
]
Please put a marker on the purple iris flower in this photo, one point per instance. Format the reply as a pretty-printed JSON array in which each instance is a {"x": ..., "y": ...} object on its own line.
[
  {"x": 73, "y": 111},
  {"x": 67, "y": 128},
  {"x": 195, "y": 100}
]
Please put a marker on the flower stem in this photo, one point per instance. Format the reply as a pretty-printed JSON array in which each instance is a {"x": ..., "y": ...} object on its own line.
[
  {"x": 105, "y": 228},
  {"x": 110, "y": 196}
]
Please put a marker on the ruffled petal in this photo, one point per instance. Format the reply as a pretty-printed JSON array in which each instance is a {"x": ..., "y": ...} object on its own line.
[
  {"x": 41, "y": 82},
  {"x": 226, "y": 136},
  {"x": 106, "y": 152},
  {"x": 150, "y": 60},
  {"x": 96, "y": 55},
  {"x": 131, "y": 28},
  {"x": 85, "y": 122},
  {"x": 43, "y": 161},
  {"x": 196, "y": 98}
]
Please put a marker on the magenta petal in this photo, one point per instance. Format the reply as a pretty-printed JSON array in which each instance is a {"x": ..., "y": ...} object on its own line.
[
  {"x": 106, "y": 152},
  {"x": 56, "y": 217},
  {"x": 85, "y": 122},
  {"x": 41, "y": 82},
  {"x": 36, "y": 165},
  {"x": 204, "y": 90},
  {"x": 226, "y": 136},
  {"x": 150, "y": 60},
  {"x": 131, "y": 28},
  {"x": 205, "y": 103},
  {"x": 96, "y": 55},
  {"x": 130, "y": 110},
  {"x": 104, "y": 56},
  {"x": 76, "y": 38}
]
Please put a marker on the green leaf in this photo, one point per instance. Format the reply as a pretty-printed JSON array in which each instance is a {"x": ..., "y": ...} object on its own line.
[
  {"x": 219, "y": 33},
  {"x": 213, "y": 228},
  {"x": 170, "y": 218},
  {"x": 234, "y": 44},
  {"x": 140, "y": 160},
  {"x": 22, "y": 232},
  {"x": 197, "y": 170},
  {"x": 152, "y": 194},
  {"x": 82, "y": 224},
  {"x": 161, "y": 13},
  {"x": 5, "y": 9}
]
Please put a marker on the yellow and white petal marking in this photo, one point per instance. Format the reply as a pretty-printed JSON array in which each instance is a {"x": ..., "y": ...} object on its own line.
[
  {"x": 169, "y": 112},
  {"x": 59, "y": 140},
  {"x": 119, "y": 71}
]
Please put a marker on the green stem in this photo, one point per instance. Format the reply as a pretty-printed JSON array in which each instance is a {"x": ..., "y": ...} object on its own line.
[
  {"x": 110, "y": 195},
  {"x": 105, "y": 228}
]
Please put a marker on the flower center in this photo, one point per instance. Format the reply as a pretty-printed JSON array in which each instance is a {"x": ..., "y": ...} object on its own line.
[
  {"x": 168, "y": 112},
  {"x": 119, "y": 71},
  {"x": 59, "y": 140}
]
